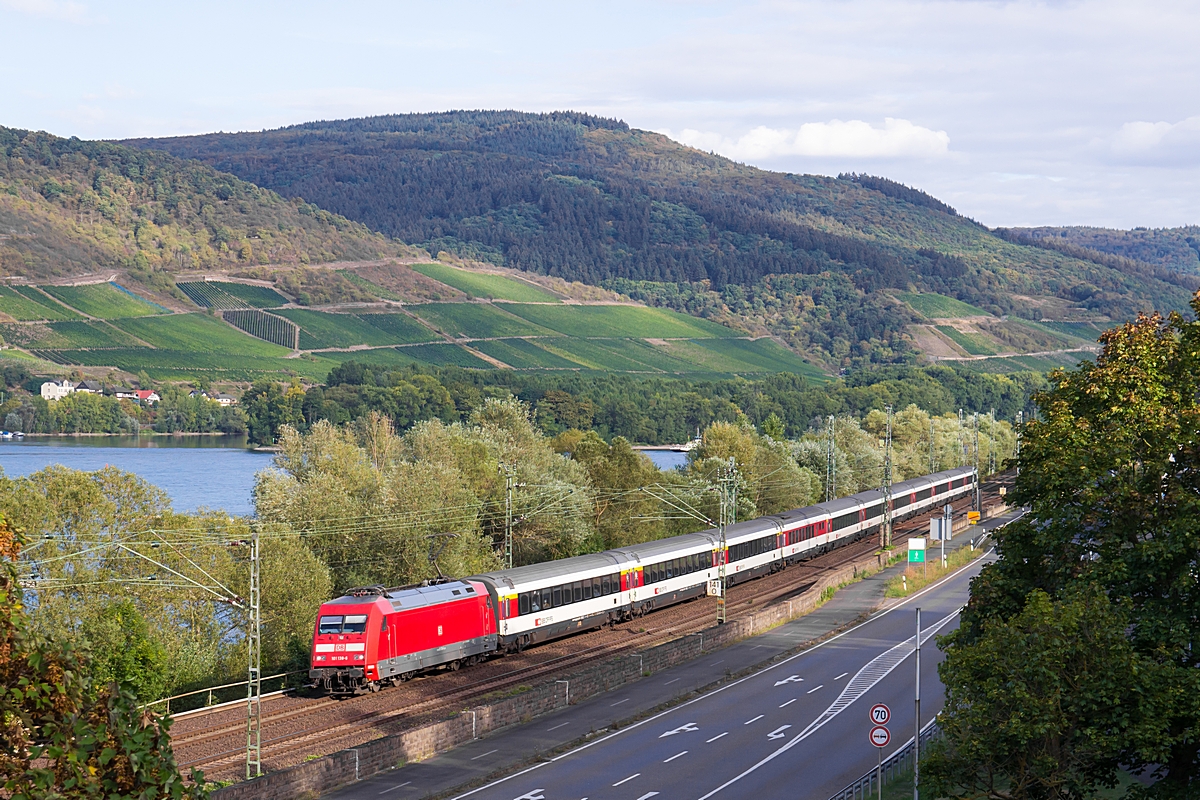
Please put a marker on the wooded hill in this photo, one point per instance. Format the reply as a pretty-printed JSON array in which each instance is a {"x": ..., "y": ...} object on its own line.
[
  {"x": 1174, "y": 248},
  {"x": 69, "y": 207},
  {"x": 591, "y": 199}
]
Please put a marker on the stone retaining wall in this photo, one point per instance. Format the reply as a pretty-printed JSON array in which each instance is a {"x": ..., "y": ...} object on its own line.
[{"x": 325, "y": 773}]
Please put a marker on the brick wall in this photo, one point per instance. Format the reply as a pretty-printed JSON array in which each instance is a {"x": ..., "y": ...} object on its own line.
[{"x": 328, "y": 772}]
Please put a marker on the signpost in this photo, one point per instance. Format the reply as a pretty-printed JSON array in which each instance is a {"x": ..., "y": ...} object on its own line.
[
  {"x": 973, "y": 517},
  {"x": 916, "y": 552},
  {"x": 880, "y": 737}
]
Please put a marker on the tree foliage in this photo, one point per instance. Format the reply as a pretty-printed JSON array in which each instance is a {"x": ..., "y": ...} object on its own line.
[
  {"x": 66, "y": 733},
  {"x": 1110, "y": 471}
]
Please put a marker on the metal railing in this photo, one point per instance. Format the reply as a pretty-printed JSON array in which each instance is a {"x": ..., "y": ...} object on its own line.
[
  {"x": 898, "y": 763},
  {"x": 209, "y": 691}
]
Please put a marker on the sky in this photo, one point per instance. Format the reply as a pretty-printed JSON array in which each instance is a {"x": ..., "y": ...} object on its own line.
[{"x": 1015, "y": 113}]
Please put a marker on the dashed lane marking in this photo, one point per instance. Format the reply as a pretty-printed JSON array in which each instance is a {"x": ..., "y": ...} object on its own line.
[
  {"x": 398, "y": 786},
  {"x": 756, "y": 719},
  {"x": 620, "y": 701},
  {"x": 810, "y": 691},
  {"x": 668, "y": 683},
  {"x": 627, "y": 780},
  {"x": 718, "y": 736},
  {"x": 677, "y": 755},
  {"x": 488, "y": 753},
  {"x": 560, "y": 725},
  {"x": 646, "y": 796},
  {"x": 839, "y": 677},
  {"x": 789, "y": 702},
  {"x": 713, "y": 664}
]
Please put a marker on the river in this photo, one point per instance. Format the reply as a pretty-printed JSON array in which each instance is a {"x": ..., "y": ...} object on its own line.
[{"x": 215, "y": 472}]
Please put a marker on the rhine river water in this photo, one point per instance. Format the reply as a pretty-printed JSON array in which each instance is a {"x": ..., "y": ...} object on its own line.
[{"x": 215, "y": 472}]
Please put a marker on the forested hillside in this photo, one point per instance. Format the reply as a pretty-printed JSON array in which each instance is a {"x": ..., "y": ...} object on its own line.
[
  {"x": 591, "y": 199},
  {"x": 68, "y": 207},
  {"x": 1174, "y": 248}
]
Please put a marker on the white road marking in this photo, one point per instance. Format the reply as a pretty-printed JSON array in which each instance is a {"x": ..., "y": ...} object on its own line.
[
  {"x": 778, "y": 732},
  {"x": 718, "y": 736},
  {"x": 789, "y": 702},
  {"x": 620, "y": 701},
  {"x": 713, "y": 664},
  {"x": 533, "y": 794},
  {"x": 677, "y": 755},
  {"x": 839, "y": 677},
  {"x": 668, "y": 683},
  {"x": 810, "y": 691},
  {"x": 646, "y": 796},
  {"x": 789, "y": 679},
  {"x": 560, "y": 725},
  {"x": 488, "y": 753},
  {"x": 756, "y": 719},
  {"x": 627, "y": 780},
  {"x": 686, "y": 728},
  {"x": 399, "y": 786}
]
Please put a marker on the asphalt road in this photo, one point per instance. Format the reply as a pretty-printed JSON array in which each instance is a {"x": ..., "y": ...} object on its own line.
[{"x": 798, "y": 729}]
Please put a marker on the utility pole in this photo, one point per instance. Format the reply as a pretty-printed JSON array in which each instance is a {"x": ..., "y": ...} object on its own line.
[
  {"x": 962, "y": 441},
  {"x": 727, "y": 492},
  {"x": 254, "y": 682},
  {"x": 992, "y": 442},
  {"x": 917, "y": 734},
  {"x": 932, "y": 465},
  {"x": 978, "y": 506},
  {"x": 507, "y": 469},
  {"x": 885, "y": 533},
  {"x": 830, "y": 463},
  {"x": 1020, "y": 425}
]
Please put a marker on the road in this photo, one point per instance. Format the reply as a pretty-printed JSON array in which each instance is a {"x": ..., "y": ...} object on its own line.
[{"x": 776, "y": 716}]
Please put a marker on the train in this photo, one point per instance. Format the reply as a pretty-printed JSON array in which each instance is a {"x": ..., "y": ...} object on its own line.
[{"x": 376, "y": 636}]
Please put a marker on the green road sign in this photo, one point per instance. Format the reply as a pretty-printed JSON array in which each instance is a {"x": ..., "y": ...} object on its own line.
[{"x": 916, "y": 556}]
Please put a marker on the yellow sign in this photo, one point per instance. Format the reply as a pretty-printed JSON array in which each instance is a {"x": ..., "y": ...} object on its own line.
[{"x": 973, "y": 517}]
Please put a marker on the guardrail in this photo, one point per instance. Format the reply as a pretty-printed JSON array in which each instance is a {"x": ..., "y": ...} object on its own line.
[
  {"x": 894, "y": 765},
  {"x": 209, "y": 691}
]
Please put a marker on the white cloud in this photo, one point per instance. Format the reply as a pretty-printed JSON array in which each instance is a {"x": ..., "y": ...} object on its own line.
[
  {"x": 896, "y": 138},
  {"x": 1151, "y": 142},
  {"x": 64, "y": 10}
]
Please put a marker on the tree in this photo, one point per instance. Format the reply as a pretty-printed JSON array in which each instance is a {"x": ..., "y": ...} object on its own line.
[
  {"x": 65, "y": 733},
  {"x": 123, "y": 651},
  {"x": 1038, "y": 706},
  {"x": 1111, "y": 473}
]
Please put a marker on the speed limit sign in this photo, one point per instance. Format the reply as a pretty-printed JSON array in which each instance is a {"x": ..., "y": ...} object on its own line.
[
  {"x": 880, "y": 736},
  {"x": 880, "y": 714}
]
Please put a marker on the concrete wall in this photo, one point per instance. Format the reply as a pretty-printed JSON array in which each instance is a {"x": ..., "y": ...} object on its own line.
[{"x": 323, "y": 774}]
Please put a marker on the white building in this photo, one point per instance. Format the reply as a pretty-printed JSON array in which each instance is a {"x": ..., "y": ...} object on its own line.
[{"x": 56, "y": 390}]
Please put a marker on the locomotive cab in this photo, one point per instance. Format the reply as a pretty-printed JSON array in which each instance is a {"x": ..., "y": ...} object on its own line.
[{"x": 345, "y": 643}]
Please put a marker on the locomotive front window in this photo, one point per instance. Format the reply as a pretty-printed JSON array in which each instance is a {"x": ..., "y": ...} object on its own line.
[
  {"x": 330, "y": 625},
  {"x": 355, "y": 623}
]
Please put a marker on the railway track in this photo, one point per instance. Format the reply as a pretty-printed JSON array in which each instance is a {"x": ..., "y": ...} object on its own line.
[{"x": 297, "y": 727}]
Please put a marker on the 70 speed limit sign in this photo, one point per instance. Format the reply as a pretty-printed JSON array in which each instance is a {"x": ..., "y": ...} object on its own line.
[{"x": 880, "y": 714}]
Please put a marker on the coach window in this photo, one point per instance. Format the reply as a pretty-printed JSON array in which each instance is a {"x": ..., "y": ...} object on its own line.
[
  {"x": 587, "y": 590},
  {"x": 557, "y": 591},
  {"x": 596, "y": 586},
  {"x": 546, "y": 604},
  {"x": 523, "y": 603},
  {"x": 577, "y": 590},
  {"x": 614, "y": 581},
  {"x": 605, "y": 586}
]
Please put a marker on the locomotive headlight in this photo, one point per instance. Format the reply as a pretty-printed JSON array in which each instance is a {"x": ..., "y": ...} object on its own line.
[
  {"x": 320, "y": 658},
  {"x": 360, "y": 658}
]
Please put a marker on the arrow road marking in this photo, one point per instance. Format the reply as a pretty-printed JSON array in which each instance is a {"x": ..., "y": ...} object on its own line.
[
  {"x": 534, "y": 794},
  {"x": 778, "y": 732},
  {"x": 789, "y": 679},
  {"x": 691, "y": 726}
]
